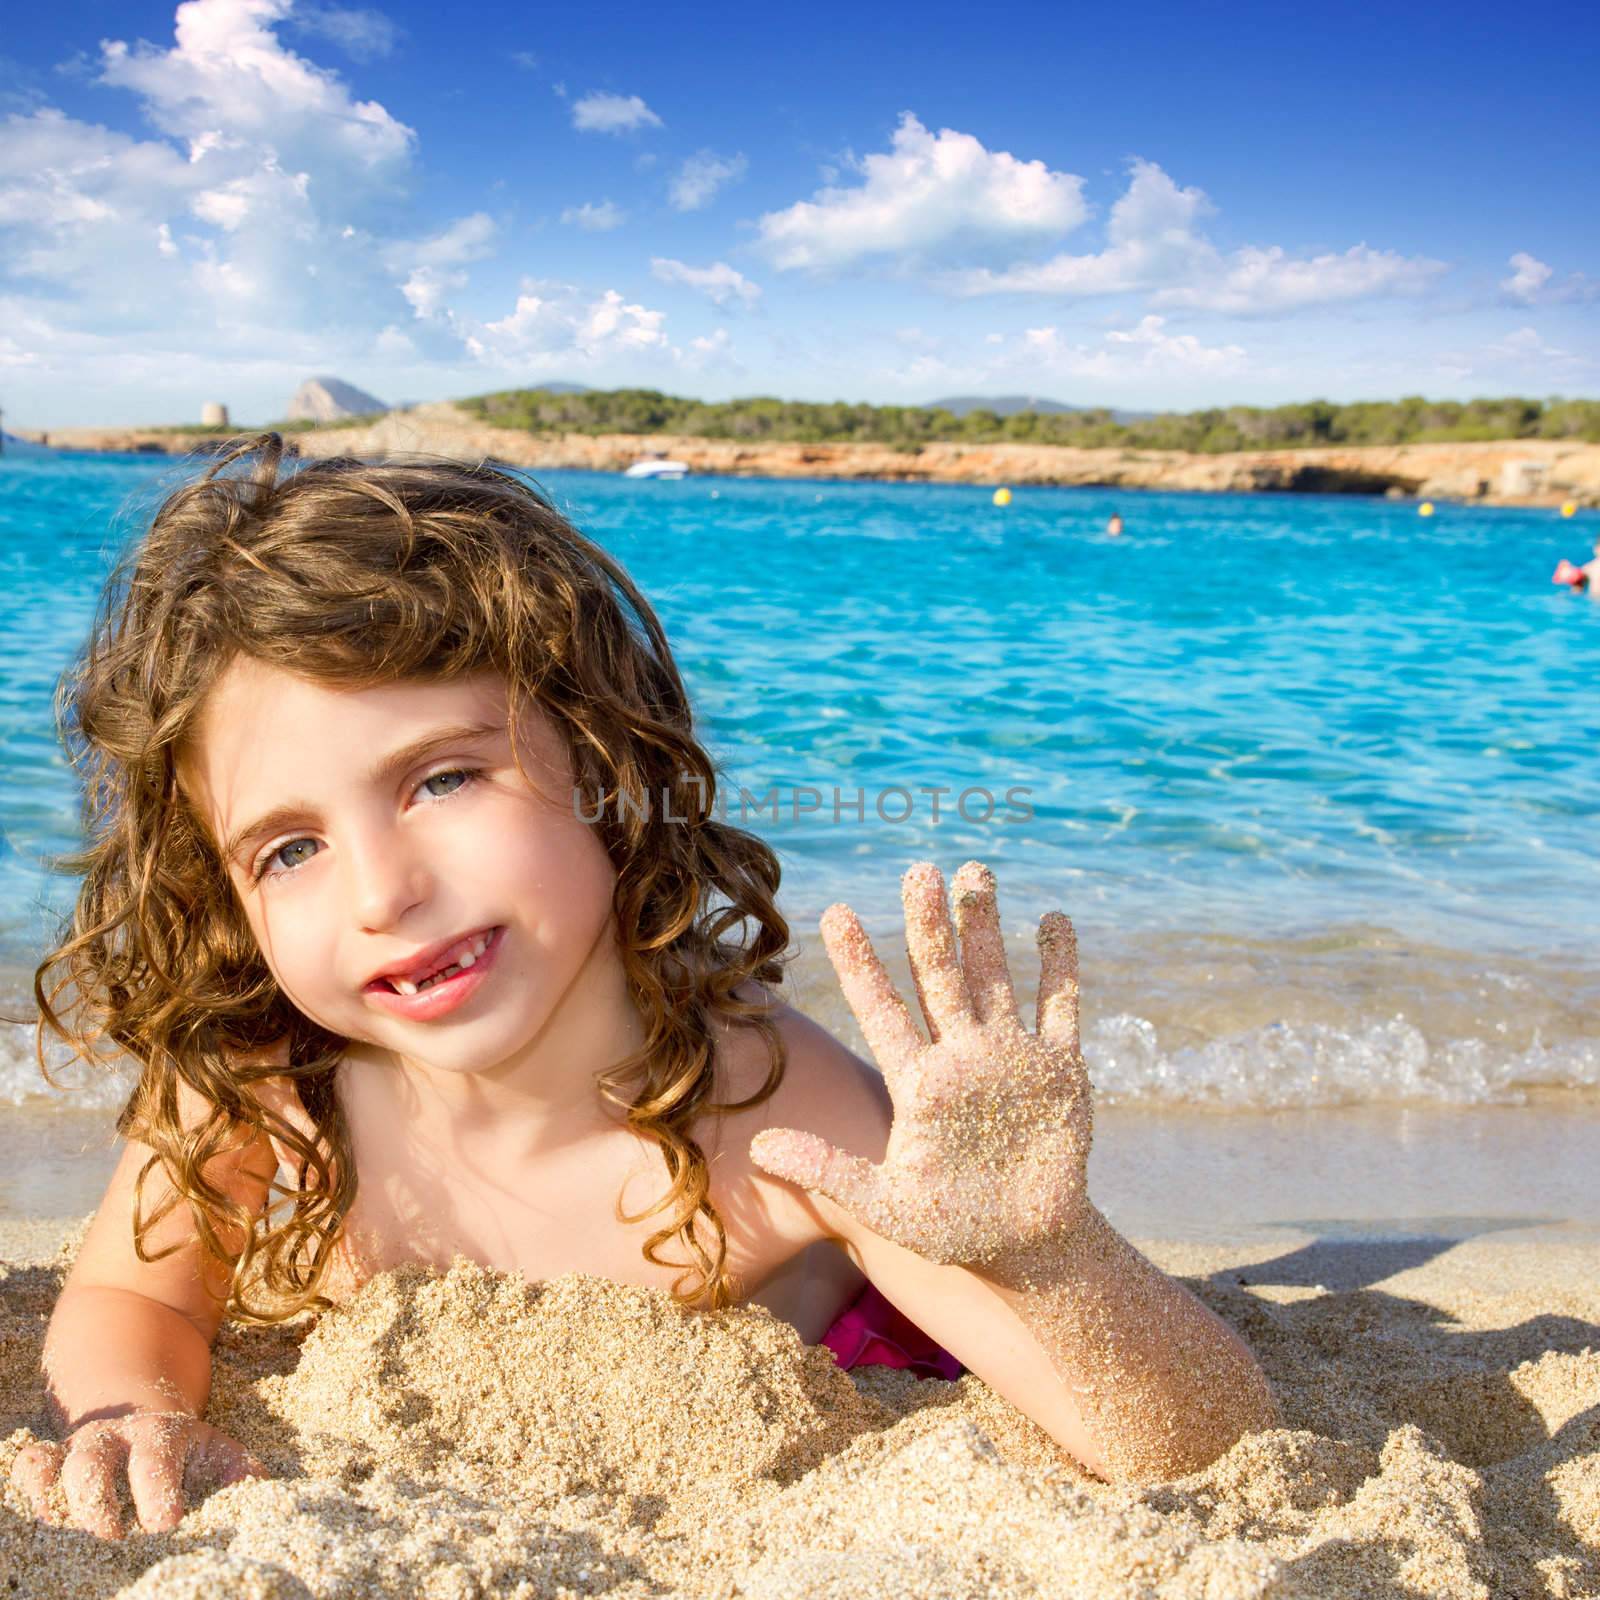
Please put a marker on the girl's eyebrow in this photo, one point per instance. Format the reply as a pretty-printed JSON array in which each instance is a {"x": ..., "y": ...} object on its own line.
[{"x": 383, "y": 771}]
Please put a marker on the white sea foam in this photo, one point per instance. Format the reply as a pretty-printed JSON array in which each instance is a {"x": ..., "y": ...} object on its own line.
[
  {"x": 1285, "y": 1066},
  {"x": 1278, "y": 1067},
  {"x": 82, "y": 1086}
]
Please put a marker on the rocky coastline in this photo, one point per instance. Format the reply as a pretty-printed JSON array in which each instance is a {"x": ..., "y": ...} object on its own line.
[{"x": 1525, "y": 472}]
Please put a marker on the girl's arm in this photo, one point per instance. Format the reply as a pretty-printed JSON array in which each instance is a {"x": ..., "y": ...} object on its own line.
[
  {"x": 127, "y": 1355},
  {"x": 976, "y": 1222},
  {"x": 1121, "y": 1365}
]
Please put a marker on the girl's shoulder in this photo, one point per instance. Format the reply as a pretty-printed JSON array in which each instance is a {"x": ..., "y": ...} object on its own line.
[
  {"x": 826, "y": 1090},
  {"x": 278, "y": 1096},
  {"x": 817, "y": 1066}
]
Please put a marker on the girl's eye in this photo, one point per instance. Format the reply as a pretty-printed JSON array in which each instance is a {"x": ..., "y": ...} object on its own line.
[{"x": 265, "y": 860}]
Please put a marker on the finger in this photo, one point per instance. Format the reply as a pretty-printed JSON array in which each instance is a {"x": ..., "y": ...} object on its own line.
[
  {"x": 1058, "y": 979},
  {"x": 886, "y": 1023},
  {"x": 816, "y": 1165},
  {"x": 983, "y": 945},
  {"x": 34, "y": 1472},
  {"x": 224, "y": 1460},
  {"x": 89, "y": 1475},
  {"x": 155, "y": 1473},
  {"x": 931, "y": 945}
]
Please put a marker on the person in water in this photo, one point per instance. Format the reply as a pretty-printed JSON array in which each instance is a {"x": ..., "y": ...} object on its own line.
[
  {"x": 1591, "y": 571},
  {"x": 381, "y": 1022},
  {"x": 1114, "y": 526}
]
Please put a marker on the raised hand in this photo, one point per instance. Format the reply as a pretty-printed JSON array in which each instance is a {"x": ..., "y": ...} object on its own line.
[
  {"x": 990, "y": 1139},
  {"x": 158, "y": 1454}
]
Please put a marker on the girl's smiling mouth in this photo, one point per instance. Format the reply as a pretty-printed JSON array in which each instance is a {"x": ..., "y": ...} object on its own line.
[{"x": 447, "y": 987}]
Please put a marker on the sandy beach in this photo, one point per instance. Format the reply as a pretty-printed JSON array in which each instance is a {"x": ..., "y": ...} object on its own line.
[
  {"x": 470, "y": 1435},
  {"x": 1422, "y": 1284}
]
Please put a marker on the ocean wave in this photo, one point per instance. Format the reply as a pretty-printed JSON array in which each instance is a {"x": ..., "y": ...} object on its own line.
[
  {"x": 1276, "y": 1067},
  {"x": 77, "y": 1085},
  {"x": 1298, "y": 1066}
]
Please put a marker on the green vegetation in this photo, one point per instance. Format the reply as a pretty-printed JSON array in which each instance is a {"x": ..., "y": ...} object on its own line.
[
  {"x": 239, "y": 429},
  {"x": 1316, "y": 422}
]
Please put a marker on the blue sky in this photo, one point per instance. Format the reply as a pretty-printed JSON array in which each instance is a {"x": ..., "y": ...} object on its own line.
[{"x": 1137, "y": 206}]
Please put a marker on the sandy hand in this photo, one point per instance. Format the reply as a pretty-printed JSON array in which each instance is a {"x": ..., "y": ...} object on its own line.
[
  {"x": 159, "y": 1455},
  {"x": 990, "y": 1139}
]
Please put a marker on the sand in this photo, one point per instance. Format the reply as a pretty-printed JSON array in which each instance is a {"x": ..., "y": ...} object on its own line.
[{"x": 471, "y": 1435}]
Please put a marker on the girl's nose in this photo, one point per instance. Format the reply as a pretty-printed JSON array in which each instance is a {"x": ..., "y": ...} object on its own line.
[{"x": 385, "y": 879}]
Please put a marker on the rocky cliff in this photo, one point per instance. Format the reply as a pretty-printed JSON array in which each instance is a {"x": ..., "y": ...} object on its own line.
[
  {"x": 1505, "y": 472},
  {"x": 328, "y": 399}
]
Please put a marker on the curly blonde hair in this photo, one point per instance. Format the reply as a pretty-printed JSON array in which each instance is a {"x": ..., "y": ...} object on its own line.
[{"x": 352, "y": 574}]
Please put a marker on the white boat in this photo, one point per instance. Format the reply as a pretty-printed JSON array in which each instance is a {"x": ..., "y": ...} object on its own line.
[{"x": 657, "y": 467}]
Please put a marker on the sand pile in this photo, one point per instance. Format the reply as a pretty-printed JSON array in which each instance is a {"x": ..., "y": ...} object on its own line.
[{"x": 468, "y": 1435}]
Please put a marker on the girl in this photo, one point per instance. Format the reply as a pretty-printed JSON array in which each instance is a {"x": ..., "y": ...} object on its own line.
[{"x": 405, "y": 890}]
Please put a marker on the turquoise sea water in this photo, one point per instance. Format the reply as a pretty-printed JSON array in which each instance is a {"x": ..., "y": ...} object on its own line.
[{"x": 1316, "y": 777}]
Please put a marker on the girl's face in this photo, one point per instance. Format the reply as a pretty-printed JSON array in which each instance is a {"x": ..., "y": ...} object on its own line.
[{"x": 365, "y": 829}]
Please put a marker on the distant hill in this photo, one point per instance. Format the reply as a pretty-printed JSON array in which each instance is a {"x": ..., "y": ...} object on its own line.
[
  {"x": 1003, "y": 405},
  {"x": 11, "y": 445},
  {"x": 328, "y": 399},
  {"x": 1011, "y": 405}
]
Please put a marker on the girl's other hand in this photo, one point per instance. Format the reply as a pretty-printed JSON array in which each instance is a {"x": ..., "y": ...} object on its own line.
[
  {"x": 158, "y": 1454},
  {"x": 989, "y": 1145}
]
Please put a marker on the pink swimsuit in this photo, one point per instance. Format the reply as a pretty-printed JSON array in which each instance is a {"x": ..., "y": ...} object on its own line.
[{"x": 869, "y": 1332}]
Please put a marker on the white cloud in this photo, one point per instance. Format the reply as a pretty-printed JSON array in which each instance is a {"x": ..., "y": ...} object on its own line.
[
  {"x": 711, "y": 350},
  {"x": 1145, "y": 362},
  {"x": 432, "y": 266},
  {"x": 560, "y": 327},
  {"x": 701, "y": 176},
  {"x": 427, "y": 288},
  {"x": 229, "y": 71},
  {"x": 268, "y": 192},
  {"x": 362, "y": 34},
  {"x": 13, "y": 354},
  {"x": 1532, "y": 282},
  {"x": 1144, "y": 349},
  {"x": 394, "y": 344},
  {"x": 719, "y": 282},
  {"x": 251, "y": 237},
  {"x": 1154, "y": 246},
  {"x": 1150, "y": 238},
  {"x": 1255, "y": 281},
  {"x": 1529, "y": 277},
  {"x": 1522, "y": 360},
  {"x": 554, "y": 324},
  {"x": 928, "y": 191},
  {"x": 595, "y": 216},
  {"x": 59, "y": 177},
  {"x": 1157, "y": 346},
  {"x": 611, "y": 113},
  {"x": 1523, "y": 343},
  {"x": 466, "y": 239}
]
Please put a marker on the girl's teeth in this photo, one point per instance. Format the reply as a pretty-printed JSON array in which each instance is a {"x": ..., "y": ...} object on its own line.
[{"x": 469, "y": 957}]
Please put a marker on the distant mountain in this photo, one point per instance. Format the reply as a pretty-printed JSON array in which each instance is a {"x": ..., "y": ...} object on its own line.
[
  {"x": 11, "y": 445},
  {"x": 1003, "y": 405},
  {"x": 1008, "y": 405},
  {"x": 328, "y": 399},
  {"x": 563, "y": 388}
]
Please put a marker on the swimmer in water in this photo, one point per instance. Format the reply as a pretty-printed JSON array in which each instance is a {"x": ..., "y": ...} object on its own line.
[
  {"x": 1114, "y": 526},
  {"x": 1591, "y": 573}
]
